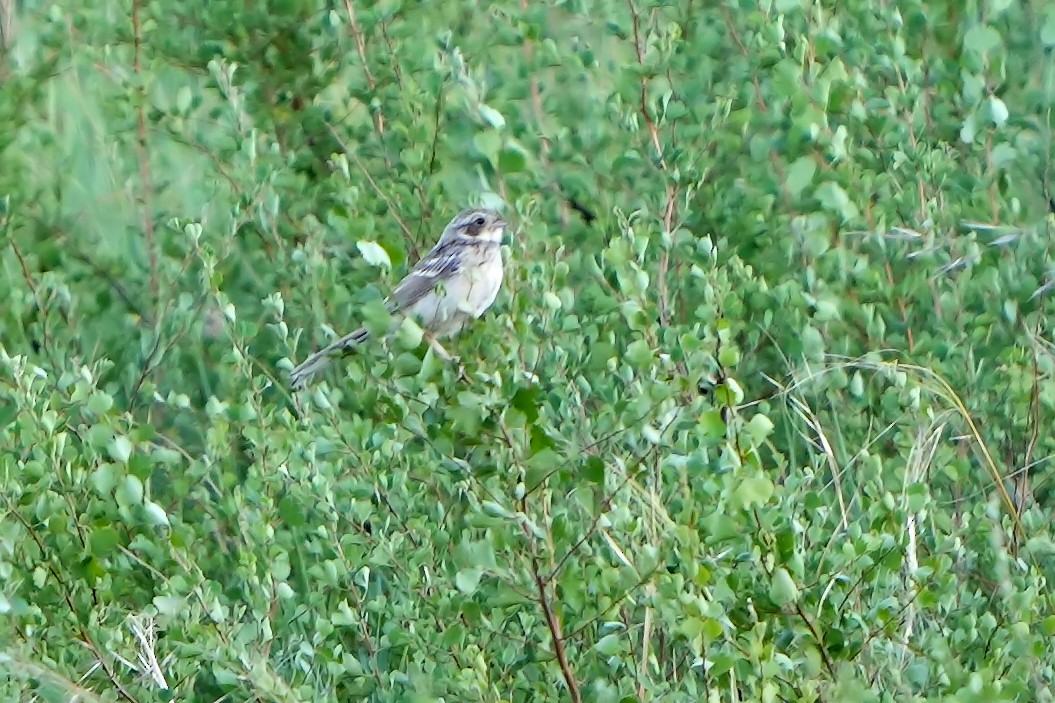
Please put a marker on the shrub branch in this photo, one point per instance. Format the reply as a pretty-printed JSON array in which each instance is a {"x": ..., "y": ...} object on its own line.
[{"x": 555, "y": 631}]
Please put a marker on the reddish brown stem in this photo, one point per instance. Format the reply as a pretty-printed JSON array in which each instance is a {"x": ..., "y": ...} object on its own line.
[
  {"x": 360, "y": 48},
  {"x": 669, "y": 209},
  {"x": 555, "y": 633}
]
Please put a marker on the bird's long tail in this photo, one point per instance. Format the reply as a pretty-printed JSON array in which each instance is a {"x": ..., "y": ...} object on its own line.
[{"x": 321, "y": 359}]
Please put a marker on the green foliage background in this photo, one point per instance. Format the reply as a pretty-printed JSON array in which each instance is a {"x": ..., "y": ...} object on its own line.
[{"x": 771, "y": 423}]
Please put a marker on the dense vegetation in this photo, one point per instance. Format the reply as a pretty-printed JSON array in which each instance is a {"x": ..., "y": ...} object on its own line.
[{"x": 762, "y": 413}]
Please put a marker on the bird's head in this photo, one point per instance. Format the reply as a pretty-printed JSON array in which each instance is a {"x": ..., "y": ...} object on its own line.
[{"x": 476, "y": 226}]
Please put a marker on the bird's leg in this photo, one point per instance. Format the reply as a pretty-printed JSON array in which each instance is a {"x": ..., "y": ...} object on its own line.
[
  {"x": 447, "y": 356},
  {"x": 438, "y": 348}
]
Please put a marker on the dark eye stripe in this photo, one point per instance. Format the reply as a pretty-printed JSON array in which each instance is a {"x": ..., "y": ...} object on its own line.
[{"x": 474, "y": 226}]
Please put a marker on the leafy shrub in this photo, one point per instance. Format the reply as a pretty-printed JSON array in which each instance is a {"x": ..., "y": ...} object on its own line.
[{"x": 762, "y": 412}]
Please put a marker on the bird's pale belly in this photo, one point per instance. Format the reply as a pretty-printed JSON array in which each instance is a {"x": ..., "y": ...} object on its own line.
[{"x": 446, "y": 310}]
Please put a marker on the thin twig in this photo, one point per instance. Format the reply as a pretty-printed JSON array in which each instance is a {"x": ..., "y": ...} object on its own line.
[
  {"x": 670, "y": 207},
  {"x": 144, "y": 154},
  {"x": 437, "y": 120},
  {"x": 639, "y": 49},
  {"x": 26, "y": 274},
  {"x": 818, "y": 640},
  {"x": 664, "y": 259},
  {"x": 555, "y": 632},
  {"x": 373, "y": 184},
  {"x": 68, "y": 598},
  {"x": 115, "y": 285},
  {"x": 536, "y": 95},
  {"x": 396, "y": 71},
  {"x": 28, "y": 277},
  {"x": 157, "y": 355},
  {"x": 759, "y": 100},
  {"x": 360, "y": 47}
]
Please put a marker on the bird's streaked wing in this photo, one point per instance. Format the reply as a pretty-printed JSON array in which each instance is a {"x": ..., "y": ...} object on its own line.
[{"x": 439, "y": 265}]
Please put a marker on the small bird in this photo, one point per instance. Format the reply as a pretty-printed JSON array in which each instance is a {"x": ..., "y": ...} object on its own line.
[{"x": 455, "y": 282}]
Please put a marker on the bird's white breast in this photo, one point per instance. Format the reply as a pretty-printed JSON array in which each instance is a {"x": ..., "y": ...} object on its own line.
[
  {"x": 484, "y": 283},
  {"x": 464, "y": 296}
]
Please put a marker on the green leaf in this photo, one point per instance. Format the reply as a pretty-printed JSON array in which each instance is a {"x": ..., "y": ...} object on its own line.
[
  {"x": 169, "y": 605},
  {"x": 1042, "y": 546},
  {"x": 100, "y": 403},
  {"x": 754, "y": 491},
  {"x": 377, "y": 318},
  {"x": 1047, "y": 32},
  {"x": 609, "y": 645},
  {"x": 121, "y": 448},
  {"x": 800, "y": 175},
  {"x": 712, "y": 424},
  {"x": 707, "y": 628},
  {"x": 374, "y": 254},
  {"x": 291, "y": 512},
  {"x": 759, "y": 428},
  {"x": 467, "y": 580},
  {"x": 495, "y": 510},
  {"x": 729, "y": 393},
  {"x": 594, "y": 470},
  {"x": 407, "y": 364},
  {"x": 488, "y": 142},
  {"x": 492, "y": 116},
  {"x": 969, "y": 129},
  {"x": 103, "y": 541},
  {"x": 104, "y": 479},
  {"x": 729, "y": 356},
  {"x": 527, "y": 401},
  {"x": 431, "y": 365},
  {"x": 639, "y": 353},
  {"x": 540, "y": 440},
  {"x": 409, "y": 334},
  {"x": 834, "y": 199},
  {"x": 512, "y": 159},
  {"x": 184, "y": 97},
  {"x": 982, "y": 39},
  {"x": 130, "y": 491},
  {"x": 155, "y": 514},
  {"x": 812, "y": 344},
  {"x": 998, "y": 111},
  {"x": 782, "y": 589}
]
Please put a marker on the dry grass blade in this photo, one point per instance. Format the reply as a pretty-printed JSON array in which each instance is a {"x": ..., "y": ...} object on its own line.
[
  {"x": 939, "y": 387},
  {"x": 959, "y": 263},
  {"x": 922, "y": 252},
  {"x": 1043, "y": 289},
  {"x": 806, "y": 414},
  {"x": 1006, "y": 239},
  {"x": 16, "y": 666},
  {"x": 921, "y": 458}
]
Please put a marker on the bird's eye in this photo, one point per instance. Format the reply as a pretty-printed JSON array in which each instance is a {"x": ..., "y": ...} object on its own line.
[{"x": 480, "y": 221}]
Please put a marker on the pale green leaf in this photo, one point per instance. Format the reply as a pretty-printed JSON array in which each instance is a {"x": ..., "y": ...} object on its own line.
[{"x": 373, "y": 253}]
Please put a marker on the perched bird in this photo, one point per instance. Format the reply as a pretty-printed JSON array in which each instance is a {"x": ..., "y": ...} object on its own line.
[{"x": 455, "y": 282}]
